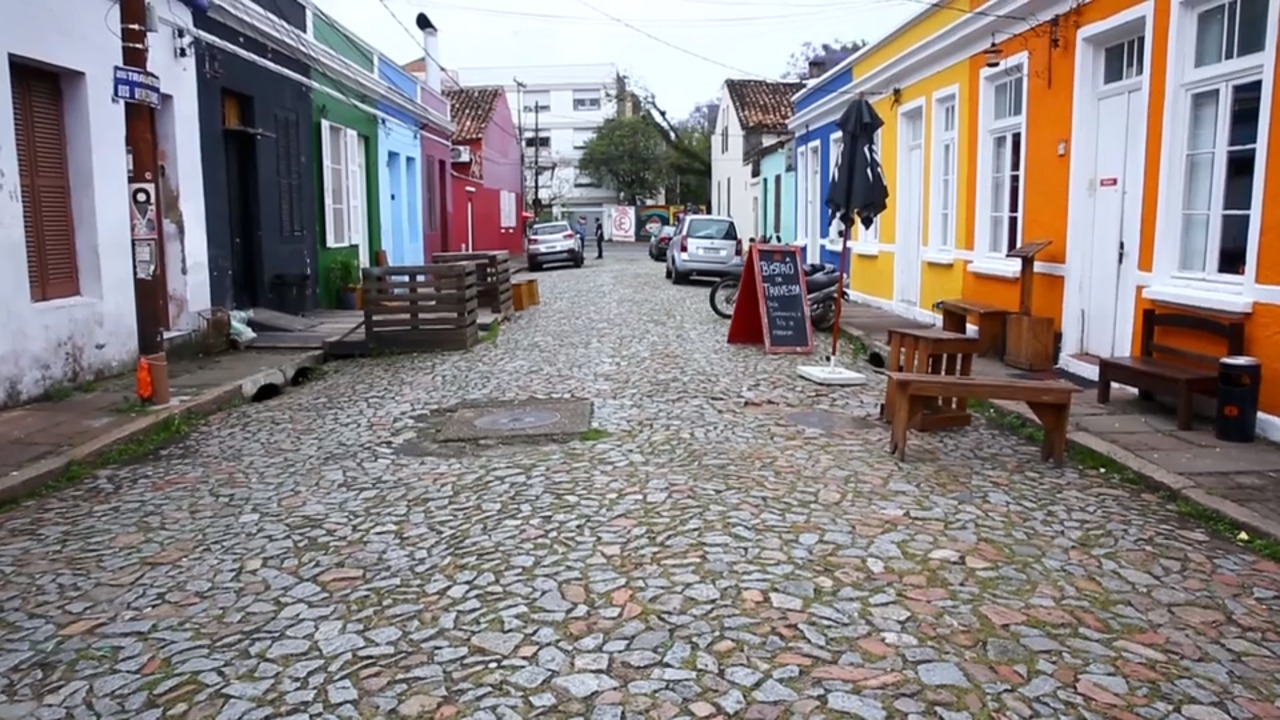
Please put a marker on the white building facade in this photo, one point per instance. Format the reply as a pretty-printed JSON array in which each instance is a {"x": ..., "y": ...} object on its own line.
[
  {"x": 67, "y": 312},
  {"x": 753, "y": 114},
  {"x": 558, "y": 110}
]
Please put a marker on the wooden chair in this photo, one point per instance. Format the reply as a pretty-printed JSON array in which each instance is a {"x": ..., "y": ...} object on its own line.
[
  {"x": 1165, "y": 369},
  {"x": 1050, "y": 400}
]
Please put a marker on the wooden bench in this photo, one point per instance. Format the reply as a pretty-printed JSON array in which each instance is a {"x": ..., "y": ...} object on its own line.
[
  {"x": 1160, "y": 368},
  {"x": 1050, "y": 400},
  {"x": 989, "y": 319}
]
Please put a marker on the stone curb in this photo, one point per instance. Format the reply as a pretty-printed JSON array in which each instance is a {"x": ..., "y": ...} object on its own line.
[
  {"x": 31, "y": 478},
  {"x": 1154, "y": 475}
]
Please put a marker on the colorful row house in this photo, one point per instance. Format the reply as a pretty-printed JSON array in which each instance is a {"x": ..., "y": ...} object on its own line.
[
  {"x": 816, "y": 151},
  {"x": 285, "y": 143},
  {"x": 1132, "y": 136}
]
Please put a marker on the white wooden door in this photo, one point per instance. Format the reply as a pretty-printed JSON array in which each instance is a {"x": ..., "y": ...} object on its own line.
[
  {"x": 1114, "y": 235},
  {"x": 911, "y": 213}
]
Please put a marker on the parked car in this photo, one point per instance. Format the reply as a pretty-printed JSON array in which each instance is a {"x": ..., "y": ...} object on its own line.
[
  {"x": 705, "y": 245},
  {"x": 550, "y": 243},
  {"x": 658, "y": 243}
]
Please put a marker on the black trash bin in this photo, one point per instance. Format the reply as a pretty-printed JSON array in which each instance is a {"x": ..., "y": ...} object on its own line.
[{"x": 1239, "y": 378}]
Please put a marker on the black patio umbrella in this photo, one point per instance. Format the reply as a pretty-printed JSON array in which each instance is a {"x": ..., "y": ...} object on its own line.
[{"x": 858, "y": 188}]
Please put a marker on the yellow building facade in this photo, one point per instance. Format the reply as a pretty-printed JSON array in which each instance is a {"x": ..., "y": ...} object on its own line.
[{"x": 1134, "y": 136}]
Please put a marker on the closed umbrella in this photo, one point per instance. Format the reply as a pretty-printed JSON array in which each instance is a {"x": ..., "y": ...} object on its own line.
[{"x": 857, "y": 190}]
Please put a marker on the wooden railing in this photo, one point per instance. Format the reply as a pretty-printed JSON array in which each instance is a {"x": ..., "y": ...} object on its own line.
[
  {"x": 420, "y": 308},
  {"x": 493, "y": 278}
]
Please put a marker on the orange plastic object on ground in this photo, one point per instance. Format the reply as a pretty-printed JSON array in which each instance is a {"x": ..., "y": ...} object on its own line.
[{"x": 145, "y": 389}]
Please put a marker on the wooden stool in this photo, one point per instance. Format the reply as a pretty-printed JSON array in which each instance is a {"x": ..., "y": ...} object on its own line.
[
  {"x": 524, "y": 293},
  {"x": 933, "y": 352}
]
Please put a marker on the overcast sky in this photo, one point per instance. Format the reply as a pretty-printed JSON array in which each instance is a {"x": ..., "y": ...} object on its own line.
[{"x": 742, "y": 39}]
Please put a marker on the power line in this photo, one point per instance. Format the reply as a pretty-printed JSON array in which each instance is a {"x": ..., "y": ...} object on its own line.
[{"x": 561, "y": 18}]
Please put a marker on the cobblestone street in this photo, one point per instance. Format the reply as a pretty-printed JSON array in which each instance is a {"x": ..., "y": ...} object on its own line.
[{"x": 700, "y": 554}]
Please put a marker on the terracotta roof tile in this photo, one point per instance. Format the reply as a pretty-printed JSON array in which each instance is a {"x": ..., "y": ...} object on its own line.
[
  {"x": 471, "y": 109},
  {"x": 763, "y": 104},
  {"x": 418, "y": 66}
]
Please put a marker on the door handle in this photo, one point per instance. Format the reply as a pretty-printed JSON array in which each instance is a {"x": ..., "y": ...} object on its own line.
[{"x": 1121, "y": 260}]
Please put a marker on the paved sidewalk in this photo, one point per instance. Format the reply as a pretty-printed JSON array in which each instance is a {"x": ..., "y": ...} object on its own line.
[
  {"x": 1239, "y": 481},
  {"x": 39, "y": 440}
]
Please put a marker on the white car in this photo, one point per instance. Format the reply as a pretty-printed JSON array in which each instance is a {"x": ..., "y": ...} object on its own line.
[{"x": 552, "y": 242}]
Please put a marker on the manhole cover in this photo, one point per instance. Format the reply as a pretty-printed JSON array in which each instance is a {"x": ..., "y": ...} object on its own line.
[
  {"x": 519, "y": 419},
  {"x": 512, "y": 420},
  {"x": 828, "y": 421}
]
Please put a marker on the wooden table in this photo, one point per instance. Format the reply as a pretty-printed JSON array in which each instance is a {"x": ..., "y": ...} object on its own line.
[{"x": 935, "y": 352}]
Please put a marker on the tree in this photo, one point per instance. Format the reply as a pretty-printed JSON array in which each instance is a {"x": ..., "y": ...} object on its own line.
[
  {"x": 830, "y": 54},
  {"x": 552, "y": 181},
  {"x": 630, "y": 154}
]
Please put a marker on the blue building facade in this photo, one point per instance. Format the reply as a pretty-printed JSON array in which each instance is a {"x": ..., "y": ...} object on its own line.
[
  {"x": 817, "y": 147},
  {"x": 778, "y": 193},
  {"x": 400, "y": 173}
]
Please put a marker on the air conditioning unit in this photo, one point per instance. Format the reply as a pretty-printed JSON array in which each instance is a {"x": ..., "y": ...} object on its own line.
[{"x": 460, "y": 154}]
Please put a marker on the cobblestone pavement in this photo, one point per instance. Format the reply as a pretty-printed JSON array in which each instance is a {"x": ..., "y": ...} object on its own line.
[{"x": 319, "y": 556}]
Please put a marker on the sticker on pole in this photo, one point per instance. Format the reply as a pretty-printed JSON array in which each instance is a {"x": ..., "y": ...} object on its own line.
[
  {"x": 142, "y": 211},
  {"x": 137, "y": 86}
]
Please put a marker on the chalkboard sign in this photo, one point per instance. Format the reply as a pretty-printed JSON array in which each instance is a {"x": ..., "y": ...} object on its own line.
[{"x": 784, "y": 300}]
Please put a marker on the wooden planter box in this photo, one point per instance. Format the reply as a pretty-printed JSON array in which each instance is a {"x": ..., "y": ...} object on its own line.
[
  {"x": 525, "y": 293},
  {"x": 493, "y": 278},
  {"x": 420, "y": 308}
]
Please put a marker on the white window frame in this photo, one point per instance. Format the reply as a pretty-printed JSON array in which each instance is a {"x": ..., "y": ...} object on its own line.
[
  {"x": 1209, "y": 289},
  {"x": 813, "y": 192},
  {"x": 354, "y": 200},
  {"x": 835, "y": 146},
  {"x": 988, "y": 261},
  {"x": 587, "y": 96},
  {"x": 532, "y": 104},
  {"x": 939, "y": 137},
  {"x": 868, "y": 239}
]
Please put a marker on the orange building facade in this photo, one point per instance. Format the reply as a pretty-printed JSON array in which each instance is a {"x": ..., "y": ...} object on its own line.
[{"x": 1134, "y": 136}]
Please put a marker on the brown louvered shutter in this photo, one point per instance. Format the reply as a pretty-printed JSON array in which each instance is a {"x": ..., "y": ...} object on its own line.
[{"x": 46, "y": 187}]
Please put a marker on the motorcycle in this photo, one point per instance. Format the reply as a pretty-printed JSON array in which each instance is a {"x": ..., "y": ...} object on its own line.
[{"x": 820, "y": 280}]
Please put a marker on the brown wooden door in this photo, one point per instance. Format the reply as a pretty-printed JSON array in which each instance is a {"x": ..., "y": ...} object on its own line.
[{"x": 52, "y": 268}]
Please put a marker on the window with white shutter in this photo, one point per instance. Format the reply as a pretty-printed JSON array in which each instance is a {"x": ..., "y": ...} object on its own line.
[{"x": 345, "y": 188}]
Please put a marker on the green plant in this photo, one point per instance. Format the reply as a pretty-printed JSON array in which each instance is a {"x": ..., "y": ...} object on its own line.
[{"x": 344, "y": 272}]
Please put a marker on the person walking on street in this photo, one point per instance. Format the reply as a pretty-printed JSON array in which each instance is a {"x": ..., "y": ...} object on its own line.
[{"x": 599, "y": 241}]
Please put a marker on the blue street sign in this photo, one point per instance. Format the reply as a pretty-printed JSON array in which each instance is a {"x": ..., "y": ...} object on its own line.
[{"x": 137, "y": 86}]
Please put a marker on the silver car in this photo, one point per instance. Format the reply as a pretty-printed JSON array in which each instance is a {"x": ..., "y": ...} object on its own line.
[
  {"x": 706, "y": 245},
  {"x": 552, "y": 242}
]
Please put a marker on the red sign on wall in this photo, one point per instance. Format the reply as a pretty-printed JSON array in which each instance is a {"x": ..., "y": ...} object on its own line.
[{"x": 1109, "y": 182}]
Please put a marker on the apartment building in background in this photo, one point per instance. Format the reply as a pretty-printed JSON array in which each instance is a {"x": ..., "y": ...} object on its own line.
[{"x": 557, "y": 111}]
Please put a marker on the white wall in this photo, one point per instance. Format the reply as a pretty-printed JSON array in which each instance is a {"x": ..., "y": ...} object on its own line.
[
  {"x": 43, "y": 344},
  {"x": 557, "y": 83},
  {"x": 727, "y": 170}
]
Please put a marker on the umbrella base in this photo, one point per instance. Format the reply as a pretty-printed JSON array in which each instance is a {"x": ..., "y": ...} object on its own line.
[{"x": 830, "y": 375}]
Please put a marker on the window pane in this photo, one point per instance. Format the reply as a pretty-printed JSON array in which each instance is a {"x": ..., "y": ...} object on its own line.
[
  {"x": 339, "y": 220},
  {"x": 1235, "y": 242},
  {"x": 1203, "y": 134},
  {"x": 1198, "y": 182},
  {"x": 1015, "y": 103},
  {"x": 945, "y": 203},
  {"x": 999, "y": 198},
  {"x": 1015, "y": 184},
  {"x": 1002, "y": 101},
  {"x": 1233, "y": 24},
  {"x": 1253, "y": 27},
  {"x": 996, "y": 242},
  {"x": 1195, "y": 240},
  {"x": 1113, "y": 64},
  {"x": 1210, "y": 27},
  {"x": 1012, "y": 243},
  {"x": 1139, "y": 55},
  {"x": 1246, "y": 98},
  {"x": 1238, "y": 193},
  {"x": 1015, "y": 152}
]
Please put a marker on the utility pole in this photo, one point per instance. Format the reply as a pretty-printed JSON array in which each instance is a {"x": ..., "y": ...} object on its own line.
[
  {"x": 520, "y": 131},
  {"x": 537, "y": 161},
  {"x": 150, "y": 293}
]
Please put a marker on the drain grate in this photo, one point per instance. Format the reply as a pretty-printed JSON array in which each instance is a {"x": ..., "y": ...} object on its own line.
[{"x": 827, "y": 421}]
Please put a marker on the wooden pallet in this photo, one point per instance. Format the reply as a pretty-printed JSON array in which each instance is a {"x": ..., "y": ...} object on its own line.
[
  {"x": 493, "y": 278},
  {"x": 421, "y": 308}
]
